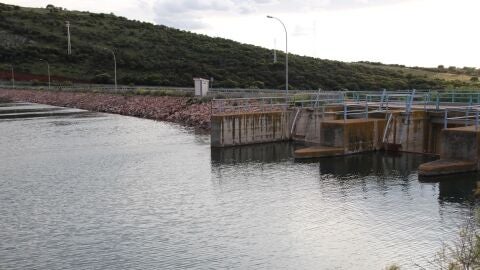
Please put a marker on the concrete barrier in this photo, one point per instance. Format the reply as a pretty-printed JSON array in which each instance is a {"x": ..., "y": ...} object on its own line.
[
  {"x": 460, "y": 153},
  {"x": 354, "y": 135}
]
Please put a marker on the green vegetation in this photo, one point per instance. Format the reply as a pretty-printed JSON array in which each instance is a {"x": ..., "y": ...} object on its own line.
[
  {"x": 454, "y": 77},
  {"x": 463, "y": 253},
  {"x": 150, "y": 54}
]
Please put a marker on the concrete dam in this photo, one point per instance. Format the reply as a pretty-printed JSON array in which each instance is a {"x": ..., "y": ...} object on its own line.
[{"x": 438, "y": 123}]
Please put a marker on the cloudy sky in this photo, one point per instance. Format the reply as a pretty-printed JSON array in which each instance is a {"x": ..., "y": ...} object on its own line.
[{"x": 409, "y": 32}]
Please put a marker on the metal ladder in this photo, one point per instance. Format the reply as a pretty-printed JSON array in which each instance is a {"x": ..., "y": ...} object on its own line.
[{"x": 388, "y": 127}]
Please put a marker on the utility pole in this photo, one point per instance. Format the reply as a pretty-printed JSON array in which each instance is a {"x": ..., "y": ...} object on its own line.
[
  {"x": 48, "y": 69},
  {"x": 69, "y": 48},
  {"x": 286, "y": 52},
  {"x": 115, "y": 60},
  {"x": 315, "y": 39},
  {"x": 13, "y": 78},
  {"x": 275, "y": 50},
  {"x": 115, "y": 66}
]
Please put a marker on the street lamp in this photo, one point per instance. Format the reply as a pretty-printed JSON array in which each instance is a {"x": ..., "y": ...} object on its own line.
[
  {"x": 48, "y": 68},
  {"x": 115, "y": 66},
  {"x": 13, "y": 78},
  {"x": 286, "y": 52}
]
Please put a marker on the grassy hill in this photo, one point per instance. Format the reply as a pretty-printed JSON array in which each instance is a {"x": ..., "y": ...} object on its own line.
[
  {"x": 467, "y": 75},
  {"x": 150, "y": 54}
]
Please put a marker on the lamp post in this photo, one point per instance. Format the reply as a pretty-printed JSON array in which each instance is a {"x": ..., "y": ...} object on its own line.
[
  {"x": 286, "y": 52},
  {"x": 115, "y": 66},
  {"x": 13, "y": 78},
  {"x": 48, "y": 69}
]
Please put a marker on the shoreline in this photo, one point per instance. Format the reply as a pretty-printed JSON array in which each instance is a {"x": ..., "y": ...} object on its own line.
[{"x": 182, "y": 110}]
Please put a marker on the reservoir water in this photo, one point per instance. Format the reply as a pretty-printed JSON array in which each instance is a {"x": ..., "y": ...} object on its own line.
[{"x": 105, "y": 191}]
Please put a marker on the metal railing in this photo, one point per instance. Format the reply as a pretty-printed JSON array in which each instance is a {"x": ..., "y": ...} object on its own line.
[
  {"x": 393, "y": 98},
  {"x": 261, "y": 104},
  {"x": 467, "y": 116},
  {"x": 213, "y": 92},
  {"x": 99, "y": 88},
  {"x": 459, "y": 106},
  {"x": 299, "y": 100}
]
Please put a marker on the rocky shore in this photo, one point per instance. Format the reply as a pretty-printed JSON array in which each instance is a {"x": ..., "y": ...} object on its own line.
[{"x": 183, "y": 110}]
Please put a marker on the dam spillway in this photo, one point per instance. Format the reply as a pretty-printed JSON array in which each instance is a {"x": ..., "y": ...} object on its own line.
[
  {"x": 444, "y": 124},
  {"x": 32, "y": 110}
]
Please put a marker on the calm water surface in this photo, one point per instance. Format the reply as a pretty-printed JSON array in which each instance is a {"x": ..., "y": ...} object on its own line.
[{"x": 115, "y": 192}]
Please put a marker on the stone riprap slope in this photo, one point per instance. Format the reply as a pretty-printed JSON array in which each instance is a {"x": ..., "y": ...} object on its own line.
[{"x": 183, "y": 110}]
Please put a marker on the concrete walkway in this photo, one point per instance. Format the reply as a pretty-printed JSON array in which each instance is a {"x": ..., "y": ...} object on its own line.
[{"x": 31, "y": 110}]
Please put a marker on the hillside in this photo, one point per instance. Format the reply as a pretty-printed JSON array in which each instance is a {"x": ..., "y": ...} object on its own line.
[
  {"x": 150, "y": 54},
  {"x": 468, "y": 75}
]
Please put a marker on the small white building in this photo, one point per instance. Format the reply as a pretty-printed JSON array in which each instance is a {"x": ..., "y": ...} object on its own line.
[{"x": 201, "y": 86}]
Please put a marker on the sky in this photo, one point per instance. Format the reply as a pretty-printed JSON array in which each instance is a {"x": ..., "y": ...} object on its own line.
[{"x": 424, "y": 33}]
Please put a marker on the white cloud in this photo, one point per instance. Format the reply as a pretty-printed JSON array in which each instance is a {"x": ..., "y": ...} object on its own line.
[
  {"x": 187, "y": 14},
  {"x": 193, "y": 14},
  {"x": 422, "y": 32}
]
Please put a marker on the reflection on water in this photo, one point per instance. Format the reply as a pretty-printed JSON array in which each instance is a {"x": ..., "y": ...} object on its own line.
[
  {"x": 374, "y": 200},
  {"x": 459, "y": 188},
  {"x": 379, "y": 164},
  {"x": 382, "y": 165},
  {"x": 267, "y": 153},
  {"x": 114, "y": 192}
]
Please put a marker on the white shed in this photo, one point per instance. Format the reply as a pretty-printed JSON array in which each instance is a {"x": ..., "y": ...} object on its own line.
[{"x": 201, "y": 86}]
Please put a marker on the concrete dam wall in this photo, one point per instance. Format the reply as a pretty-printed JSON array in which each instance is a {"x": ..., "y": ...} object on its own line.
[
  {"x": 412, "y": 133},
  {"x": 250, "y": 128},
  {"x": 330, "y": 134}
]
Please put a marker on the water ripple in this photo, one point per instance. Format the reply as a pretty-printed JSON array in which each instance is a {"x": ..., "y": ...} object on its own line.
[{"x": 113, "y": 192}]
